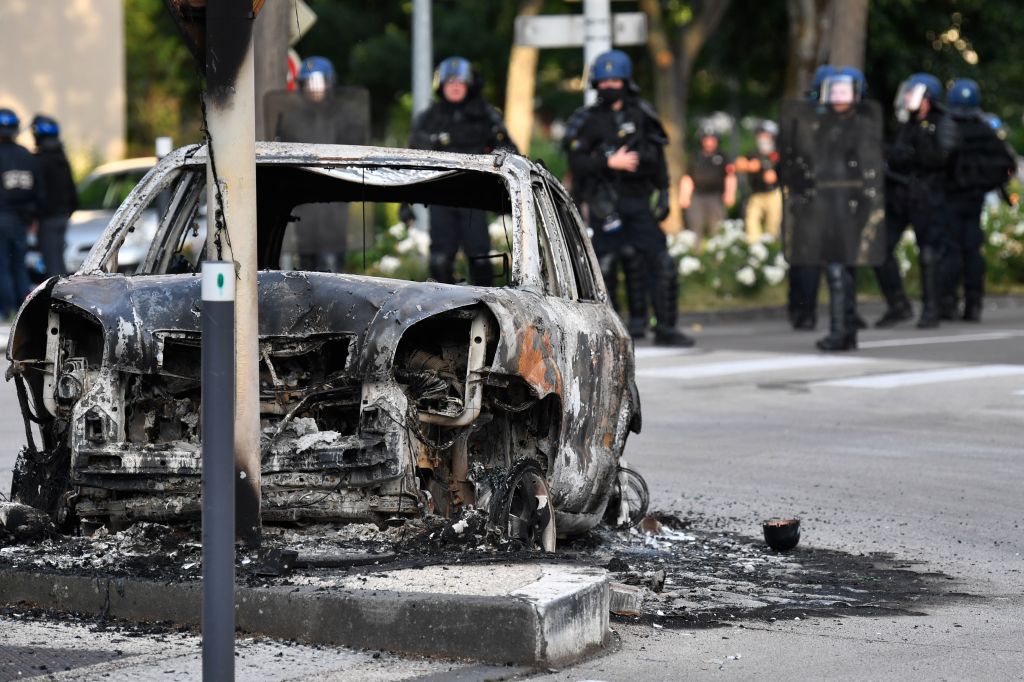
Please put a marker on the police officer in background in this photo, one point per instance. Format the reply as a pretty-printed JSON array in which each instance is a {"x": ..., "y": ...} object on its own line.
[
  {"x": 21, "y": 198},
  {"x": 319, "y": 238},
  {"x": 61, "y": 195},
  {"x": 921, "y": 153},
  {"x": 709, "y": 189},
  {"x": 460, "y": 121},
  {"x": 617, "y": 158},
  {"x": 981, "y": 162}
]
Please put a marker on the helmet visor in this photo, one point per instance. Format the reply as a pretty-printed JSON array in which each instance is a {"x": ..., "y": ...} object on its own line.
[
  {"x": 455, "y": 69},
  {"x": 839, "y": 90},
  {"x": 910, "y": 96}
]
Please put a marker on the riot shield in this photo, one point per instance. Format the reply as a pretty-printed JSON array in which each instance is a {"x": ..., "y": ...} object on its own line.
[
  {"x": 833, "y": 184},
  {"x": 342, "y": 117},
  {"x": 318, "y": 240}
]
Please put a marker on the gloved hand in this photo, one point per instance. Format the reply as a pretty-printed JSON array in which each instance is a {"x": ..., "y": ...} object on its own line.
[{"x": 660, "y": 209}]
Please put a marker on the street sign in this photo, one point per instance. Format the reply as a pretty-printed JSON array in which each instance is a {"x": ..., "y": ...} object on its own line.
[
  {"x": 302, "y": 19},
  {"x": 569, "y": 30}
]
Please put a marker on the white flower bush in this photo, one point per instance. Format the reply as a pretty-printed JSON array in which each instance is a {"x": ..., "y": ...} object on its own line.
[
  {"x": 389, "y": 264},
  {"x": 746, "y": 276},
  {"x": 689, "y": 265},
  {"x": 773, "y": 274}
]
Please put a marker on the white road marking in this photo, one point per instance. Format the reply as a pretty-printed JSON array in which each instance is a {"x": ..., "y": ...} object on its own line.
[
  {"x": 647, "y": 352},
  {"x": 929, "y": 340},
  {"x": 930, "y": 376},
  {"x": 776, "y": 363}
]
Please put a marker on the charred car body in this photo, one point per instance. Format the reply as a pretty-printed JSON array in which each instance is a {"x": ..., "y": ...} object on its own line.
[{"x": 379, "y": 397}]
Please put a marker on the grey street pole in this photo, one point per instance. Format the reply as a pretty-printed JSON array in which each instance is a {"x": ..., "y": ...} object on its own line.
[
  {"x": 597, "y": 38},
  {"x": 422, "y": 75},
  {"x": 218, "y": 400},
  {"x": 231, "y": 173}
]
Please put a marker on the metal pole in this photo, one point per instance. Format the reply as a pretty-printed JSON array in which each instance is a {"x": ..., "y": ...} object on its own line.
[
  {"x": 597, "y": 38},
  {"x": 218, "y": 407},
  {"x": 231, "y": 121},
  {"x": 422, "y": 76}
]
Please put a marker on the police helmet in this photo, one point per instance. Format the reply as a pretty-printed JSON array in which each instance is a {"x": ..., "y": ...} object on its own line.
[
  {"x": 917, "y": 88},
  {"x": 9, "y": 123},
  {"x": 844, "y": 86},
  {"x": 932, "y": 85},
  {"x": 44, "y": 126},
  {"x": 611, "y": 64},
  {"x": 964, "y": 95},
  {"x": 454, "y": 68},
  {"x": 321, "y": 65}
]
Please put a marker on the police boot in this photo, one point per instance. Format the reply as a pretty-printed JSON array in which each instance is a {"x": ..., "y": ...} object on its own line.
[
  {"x": 636, "y": 290},
  {"x": 929, "y": 288},
  {"x": 666, "y": 305},
  {"x": 842, "y": 311},
  {"x": 897, "y": 310},
  {"x": 441, "y": 268},
  {"x": 948, "y": 307},
  {"x": 481, "y": 272},
  {"x": 972, "y": 307}
]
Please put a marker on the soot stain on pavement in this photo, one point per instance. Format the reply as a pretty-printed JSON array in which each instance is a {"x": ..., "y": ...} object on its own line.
[{"x": 689, "y": 574}]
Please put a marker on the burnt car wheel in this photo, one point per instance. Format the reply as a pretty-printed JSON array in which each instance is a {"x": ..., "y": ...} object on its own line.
[
  {"x": 522, "y": 511},
  {"x": 629, "y": 500}
]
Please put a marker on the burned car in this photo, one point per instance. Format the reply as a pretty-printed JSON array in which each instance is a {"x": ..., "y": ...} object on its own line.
[{"x": 380, "y": 398}]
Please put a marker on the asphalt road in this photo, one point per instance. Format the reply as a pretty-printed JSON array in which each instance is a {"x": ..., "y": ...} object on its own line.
[{"x": 912, "y": 446}]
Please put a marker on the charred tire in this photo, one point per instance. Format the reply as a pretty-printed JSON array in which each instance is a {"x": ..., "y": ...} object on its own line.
[
  {"x": 631, "y": 488},
  {"x": 521, "y": 508}
]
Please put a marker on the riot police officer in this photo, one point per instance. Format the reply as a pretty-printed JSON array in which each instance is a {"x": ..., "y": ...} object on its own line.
[
  {"x": 21, "y": 198},
  {"x": 921, "y": 153},
  {"x": 981, "y": 162},
  {"x": 319, "y": 238},
  {"x": 460, "y": 121},
  {"x": 831, "y": 171},
  {"x": 616, "y": 154},
  {"x": 61, "y": 195}
]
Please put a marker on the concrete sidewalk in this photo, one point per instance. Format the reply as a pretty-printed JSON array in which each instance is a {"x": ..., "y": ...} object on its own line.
[{"x": 527, "y": 614}]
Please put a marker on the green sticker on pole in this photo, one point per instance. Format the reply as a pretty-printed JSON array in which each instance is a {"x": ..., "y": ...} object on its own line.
[{"x": 218, "y": 281}]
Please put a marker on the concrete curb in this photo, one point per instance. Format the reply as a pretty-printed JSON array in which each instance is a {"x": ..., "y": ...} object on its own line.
[{"x": 558, "y": 619}]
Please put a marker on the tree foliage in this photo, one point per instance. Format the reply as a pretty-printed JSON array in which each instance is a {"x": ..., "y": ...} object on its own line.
[{"x": 740, "y": 69}]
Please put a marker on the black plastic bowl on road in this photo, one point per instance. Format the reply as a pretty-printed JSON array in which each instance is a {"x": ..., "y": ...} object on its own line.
[{"x": 781, "y": 534}]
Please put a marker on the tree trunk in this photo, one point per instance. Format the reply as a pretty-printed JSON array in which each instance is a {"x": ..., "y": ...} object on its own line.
[
  {"x": 520, "y": 85},
  {"x": 850, "y": 19},
  {"x": 270, "y": 33},
  {"x": 667, "y": 100},
  {"x": 692, "y": 39},
  {"x": 810, "y": 31}
]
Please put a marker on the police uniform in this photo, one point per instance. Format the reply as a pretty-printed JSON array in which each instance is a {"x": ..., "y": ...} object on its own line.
[
  {"x": 618, "y": 203},
  {"x": 21, "y": 198},
  {"x": 61, "y": 202},
  {"x": 707, "y": 208},
  {"x": 471, "y": 126},
  {"x": 980, "y": 163},
  {"x": 921, "y": 153}
]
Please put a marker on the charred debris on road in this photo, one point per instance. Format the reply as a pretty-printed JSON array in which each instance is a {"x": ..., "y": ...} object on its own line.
[{"x": 684, "y": 573}]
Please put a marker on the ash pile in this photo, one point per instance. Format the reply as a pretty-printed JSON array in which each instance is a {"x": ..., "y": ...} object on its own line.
[{"x": 666, "y": 571}]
